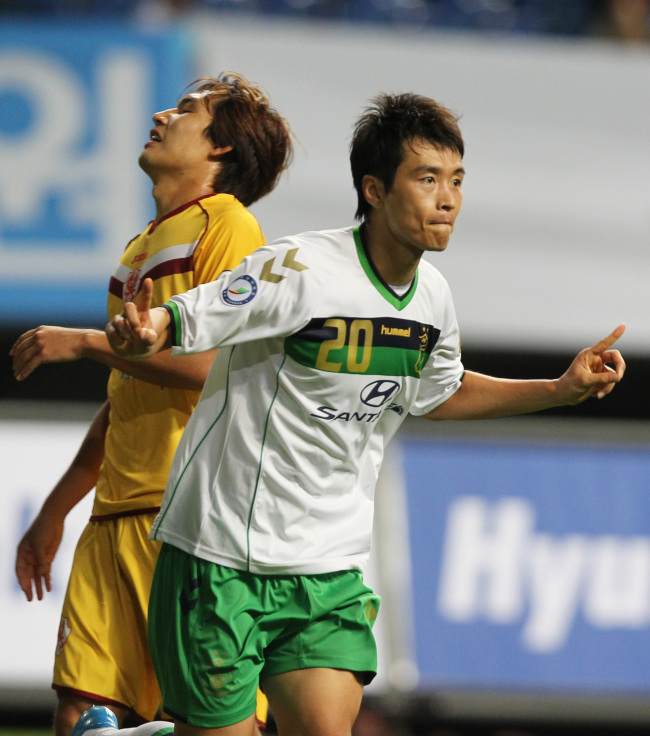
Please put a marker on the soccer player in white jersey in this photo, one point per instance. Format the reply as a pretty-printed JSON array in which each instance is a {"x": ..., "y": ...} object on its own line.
[{"x": 326, "y": 341}]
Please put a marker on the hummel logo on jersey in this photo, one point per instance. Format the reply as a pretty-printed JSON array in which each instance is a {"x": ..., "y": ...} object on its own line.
[
  {"x": 241, "y": 291},
  {"x": 397, "y": 331},
  {"x": 379, "y": 392},
  {"x": 288, "y": 262}
]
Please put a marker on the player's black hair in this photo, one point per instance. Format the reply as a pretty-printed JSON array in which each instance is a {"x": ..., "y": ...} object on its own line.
[
  {"x": 242, "y": 117},
  {"x": 389, "y": 124}
]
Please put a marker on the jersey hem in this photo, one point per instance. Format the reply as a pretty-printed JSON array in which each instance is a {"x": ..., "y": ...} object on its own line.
[
  {"x": 174, "y": 322},
  {"x": 450, "y": 390},
  {"x": 313, "y": 567}
]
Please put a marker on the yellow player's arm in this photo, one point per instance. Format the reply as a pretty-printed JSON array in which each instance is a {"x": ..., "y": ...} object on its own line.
[
  {"x": 50, "y": 344},
  {"x": 40, "y": 543}
]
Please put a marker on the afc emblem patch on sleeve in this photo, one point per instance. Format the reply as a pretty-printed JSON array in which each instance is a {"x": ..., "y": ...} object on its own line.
[{"x": 241, "y": 291}]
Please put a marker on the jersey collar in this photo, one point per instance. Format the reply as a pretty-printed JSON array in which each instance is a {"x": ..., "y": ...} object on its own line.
[{"x": 399, "y": 302}]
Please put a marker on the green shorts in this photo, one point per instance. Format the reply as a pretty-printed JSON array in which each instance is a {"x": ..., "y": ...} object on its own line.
[{"x": 215, "y": 633}]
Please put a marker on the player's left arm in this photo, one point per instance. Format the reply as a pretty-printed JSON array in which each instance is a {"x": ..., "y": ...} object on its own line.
[{"x": 595, "y": 371}]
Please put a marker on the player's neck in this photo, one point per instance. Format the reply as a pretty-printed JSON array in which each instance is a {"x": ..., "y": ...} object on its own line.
[
  {"x": 169, "y": 194},
  {"x": 396, "y": 263}
]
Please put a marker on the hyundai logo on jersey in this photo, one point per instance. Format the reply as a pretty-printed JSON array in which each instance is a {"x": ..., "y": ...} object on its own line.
[{"x": 379, "y": 392}]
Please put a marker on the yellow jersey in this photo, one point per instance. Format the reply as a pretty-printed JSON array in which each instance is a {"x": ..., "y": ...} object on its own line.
[{"x": 190, "y": 246}]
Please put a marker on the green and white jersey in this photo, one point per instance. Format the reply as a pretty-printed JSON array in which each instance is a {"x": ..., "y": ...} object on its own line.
[{"x": 318, "y": 364}]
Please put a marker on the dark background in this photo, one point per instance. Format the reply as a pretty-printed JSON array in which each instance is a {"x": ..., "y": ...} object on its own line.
[{"x": 85, "y": 380}]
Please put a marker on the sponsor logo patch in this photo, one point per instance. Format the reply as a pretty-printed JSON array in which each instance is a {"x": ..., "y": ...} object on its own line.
[
  {"x": 131, "y": 286},
  {"x": 379, "y": 392},
  {"x": 241, "y": 291}
]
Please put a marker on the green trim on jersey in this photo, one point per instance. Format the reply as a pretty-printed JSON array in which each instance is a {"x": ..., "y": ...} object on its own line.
[
  {"x": 165, "y": 509},
  {"x": 389, "y": 296},
  {"x": 259, "y": 468},
  {"x": 377, "y": 346},
  {"x": 175, "y": 326}
]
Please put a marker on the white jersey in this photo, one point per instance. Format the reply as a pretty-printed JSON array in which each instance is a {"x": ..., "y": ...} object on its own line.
[{"x": 318, "y": 363}]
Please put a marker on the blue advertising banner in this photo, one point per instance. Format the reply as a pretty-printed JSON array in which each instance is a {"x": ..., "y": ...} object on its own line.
[
  {"x": 531, "y": 565},
  {"x": 76, "y": 102}
]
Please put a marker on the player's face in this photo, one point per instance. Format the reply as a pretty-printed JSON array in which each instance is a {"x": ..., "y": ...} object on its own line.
[
  {"x": 178, "y": 142},
  {"x": 421, "y": 207}
]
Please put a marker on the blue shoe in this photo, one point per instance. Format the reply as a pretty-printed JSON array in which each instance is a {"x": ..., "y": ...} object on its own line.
[{"x": 96, "y": 717}]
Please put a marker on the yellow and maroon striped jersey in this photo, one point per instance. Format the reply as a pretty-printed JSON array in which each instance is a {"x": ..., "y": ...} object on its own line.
[{"x": 190, "y": 246}]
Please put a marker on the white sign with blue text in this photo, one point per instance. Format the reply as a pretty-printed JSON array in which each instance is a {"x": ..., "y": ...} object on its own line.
[
  {"x": 531, "y": 565},
  {"x": 75, "y": 110}
]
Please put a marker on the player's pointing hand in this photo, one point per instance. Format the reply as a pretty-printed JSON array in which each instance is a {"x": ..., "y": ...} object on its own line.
[
  {"x": 594, "y": 371},
  {"x": 139, "y": 331}
]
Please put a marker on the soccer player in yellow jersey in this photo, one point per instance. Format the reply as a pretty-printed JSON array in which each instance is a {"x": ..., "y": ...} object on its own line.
[{"x": 219, "y": 150}]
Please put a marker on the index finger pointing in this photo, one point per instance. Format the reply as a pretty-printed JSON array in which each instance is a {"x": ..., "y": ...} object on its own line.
[{"x": 608, "y": 341}]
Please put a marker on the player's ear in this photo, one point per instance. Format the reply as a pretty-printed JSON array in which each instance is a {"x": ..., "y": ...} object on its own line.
[
  {"x": 218, "y": 151},
  {"x": 373, "y": 190}
]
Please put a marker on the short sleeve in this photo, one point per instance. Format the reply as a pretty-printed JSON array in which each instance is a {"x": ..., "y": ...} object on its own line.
[
  {"x": 269, "y": 294},
  {"x": 443, "y": 373},
  {"x": 231, "y": 234}
]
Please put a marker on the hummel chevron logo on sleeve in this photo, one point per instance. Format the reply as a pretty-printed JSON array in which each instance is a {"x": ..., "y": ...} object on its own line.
[{"x": 289, "y": 262}]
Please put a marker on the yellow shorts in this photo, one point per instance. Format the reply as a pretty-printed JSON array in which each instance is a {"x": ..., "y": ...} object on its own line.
[{"x": 101, "y": 651}]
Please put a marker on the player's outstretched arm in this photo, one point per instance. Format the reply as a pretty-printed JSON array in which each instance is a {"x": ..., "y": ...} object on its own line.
[
  {"x": 139, "y": 332},
  {"x": 593, "y": 372}
]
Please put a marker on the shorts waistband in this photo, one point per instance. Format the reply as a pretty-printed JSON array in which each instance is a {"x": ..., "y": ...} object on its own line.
[{"x": 122, "y": 514}]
